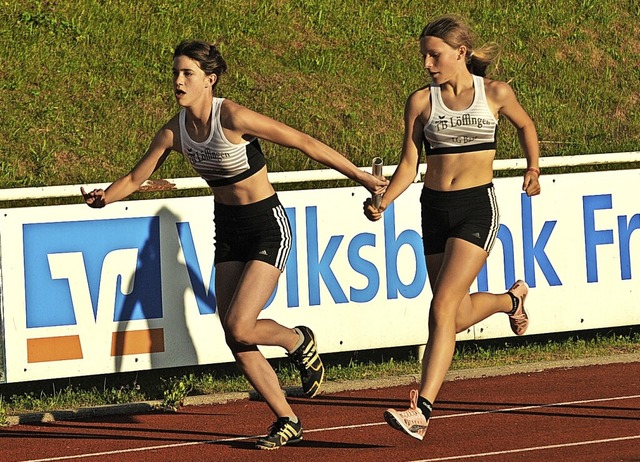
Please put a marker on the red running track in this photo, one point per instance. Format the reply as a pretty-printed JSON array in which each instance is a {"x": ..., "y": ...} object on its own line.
[{"x": 589, "y": 413}]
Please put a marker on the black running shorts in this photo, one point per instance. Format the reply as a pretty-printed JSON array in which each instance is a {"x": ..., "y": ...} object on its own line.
[
  {"x": 258, "y": 231},
  {"x": 469, "y": 214}
]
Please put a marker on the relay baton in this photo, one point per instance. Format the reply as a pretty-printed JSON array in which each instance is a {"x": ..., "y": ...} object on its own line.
[{"x": 376, "y": 170}]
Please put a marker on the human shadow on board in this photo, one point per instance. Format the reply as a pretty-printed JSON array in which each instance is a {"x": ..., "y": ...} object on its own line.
[{"x": 162, "y": 310}]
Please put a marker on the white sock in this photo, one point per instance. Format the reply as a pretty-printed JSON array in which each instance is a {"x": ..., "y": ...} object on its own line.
[{"x": 300, "y": 340}]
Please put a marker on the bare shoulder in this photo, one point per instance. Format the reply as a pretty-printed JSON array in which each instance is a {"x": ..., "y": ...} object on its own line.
[
  {"x": 420, "y": 96},
  {"x": 240, "y": 122},
  {"x": 498, "y": 91},
  {"x": 235, "y": 116},
  {"x": 168, "y": 137},
  {"x": 229, "y": 106},
  {"x": 173, "y": 124},
  {"x": 230, "y": 110},
  {"x": 503, "y": 100},
  {"x": 419, "y": 102}
]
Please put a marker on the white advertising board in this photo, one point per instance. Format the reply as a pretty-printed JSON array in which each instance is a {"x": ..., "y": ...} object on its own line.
[{"x": 129, "y": 287}]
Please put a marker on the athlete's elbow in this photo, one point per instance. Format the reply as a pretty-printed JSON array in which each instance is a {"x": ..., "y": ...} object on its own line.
[{"x": 307, "y": 144}]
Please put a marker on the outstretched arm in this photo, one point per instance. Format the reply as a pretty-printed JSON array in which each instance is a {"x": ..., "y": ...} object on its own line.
[
  {"x": 247, "y": 122},
  {"x": 158, "y": 151}
]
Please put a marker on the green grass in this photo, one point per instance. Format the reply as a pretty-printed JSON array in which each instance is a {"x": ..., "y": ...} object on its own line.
[{"x": 85, "y": 84}]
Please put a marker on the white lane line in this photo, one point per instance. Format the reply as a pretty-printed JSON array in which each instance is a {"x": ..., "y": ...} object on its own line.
[
  {"x": 142, "y": 449},
  {"x": 537, "y": 406},
  {"x": 538, "y": 448},
  {"x": 346, "y": 427}
]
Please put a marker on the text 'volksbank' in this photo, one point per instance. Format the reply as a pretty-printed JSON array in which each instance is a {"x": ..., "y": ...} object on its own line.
[{"x": 67, "y": 266}]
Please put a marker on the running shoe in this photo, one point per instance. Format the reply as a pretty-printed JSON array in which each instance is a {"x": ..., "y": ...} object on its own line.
[
  {"x": 307, "y": 360},
  {"x": 519, "y": 320},
  {"x": 412, "y": 421},
  {"x": 282, "y": 431}
]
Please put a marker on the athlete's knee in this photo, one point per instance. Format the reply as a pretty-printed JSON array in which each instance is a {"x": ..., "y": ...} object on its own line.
[
  {"x": 238, "y": 347},
  {"x": 442, "y": 313},
  {"x": 238, "y": 334},
  {"x": 461, "y": 326},
  {"x": 462, "y": 320}
]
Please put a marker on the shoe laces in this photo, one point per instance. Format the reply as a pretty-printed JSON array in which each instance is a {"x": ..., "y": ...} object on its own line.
[
  {"x": 519, "y": 314},
  {"x": 413, "y": 415},
  {"x": 519, "y": 318},
  {"x": 278, "y": 426},
  {"x": 307, "y": 356}
]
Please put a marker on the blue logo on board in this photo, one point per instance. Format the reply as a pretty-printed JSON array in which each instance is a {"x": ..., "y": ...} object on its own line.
[{"x": 70, "y": 266}]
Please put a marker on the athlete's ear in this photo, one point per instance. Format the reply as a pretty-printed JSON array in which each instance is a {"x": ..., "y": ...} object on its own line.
[
  {"x": 462, "y": 52},
  {"x": 211, "y": 78}
]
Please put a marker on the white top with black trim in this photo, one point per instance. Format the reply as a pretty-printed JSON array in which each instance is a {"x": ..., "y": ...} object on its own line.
[
  {"x": 217, "y": 160},
  {"x": 453, "y": 132}
]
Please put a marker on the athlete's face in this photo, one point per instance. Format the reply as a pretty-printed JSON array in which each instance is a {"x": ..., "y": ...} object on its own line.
[
  {"x": 440, "y": 60},
  {"x": 190, "y": 83}
]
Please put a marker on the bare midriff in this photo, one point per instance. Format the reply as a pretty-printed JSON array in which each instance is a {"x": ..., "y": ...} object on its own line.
[
  {"x": 452, "y": 172},
  {"x": 253, "y": 189}
]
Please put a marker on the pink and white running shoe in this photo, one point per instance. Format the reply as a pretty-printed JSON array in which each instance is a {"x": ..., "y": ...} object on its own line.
[
  {"x": 412, "y": 421},
  {"x": 519, "y": 320}
]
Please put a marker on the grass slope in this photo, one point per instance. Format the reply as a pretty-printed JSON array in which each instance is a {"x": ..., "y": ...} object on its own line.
[{"x": 86, "y": 83}]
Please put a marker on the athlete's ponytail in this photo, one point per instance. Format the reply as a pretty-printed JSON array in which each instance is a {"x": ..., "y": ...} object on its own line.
[{"x": 455, "y": 32}]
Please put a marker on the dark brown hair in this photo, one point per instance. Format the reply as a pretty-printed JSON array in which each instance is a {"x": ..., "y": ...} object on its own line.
[{"x": 206, "y": 54}]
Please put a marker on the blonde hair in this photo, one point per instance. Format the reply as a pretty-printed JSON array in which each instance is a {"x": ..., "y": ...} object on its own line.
[{"x": 455, "y": 32}]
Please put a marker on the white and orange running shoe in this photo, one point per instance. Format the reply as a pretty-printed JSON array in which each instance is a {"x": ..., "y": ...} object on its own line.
[
  {"x": 519, "y": 320},
  {"x": 412, "y": 421}
]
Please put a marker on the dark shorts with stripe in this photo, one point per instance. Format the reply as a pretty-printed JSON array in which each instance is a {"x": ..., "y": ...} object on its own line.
[
  {"x": 258, "y": 231},
  {"x": 469, "y": 214}
]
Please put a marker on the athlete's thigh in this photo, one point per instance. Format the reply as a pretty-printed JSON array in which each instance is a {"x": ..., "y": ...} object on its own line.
[
  {"x": 252, "y": 291},
  {"x": 461, "y": 263},
  {"x": 434, "y": 263},
  {"x": 228, "y": 276}
]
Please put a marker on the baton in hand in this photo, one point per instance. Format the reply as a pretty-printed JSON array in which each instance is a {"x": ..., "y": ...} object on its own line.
[{"x": 376, "y": 170}]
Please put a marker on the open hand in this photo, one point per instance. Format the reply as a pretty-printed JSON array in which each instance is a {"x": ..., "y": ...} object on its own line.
[{"x": 95, "y": 198}]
